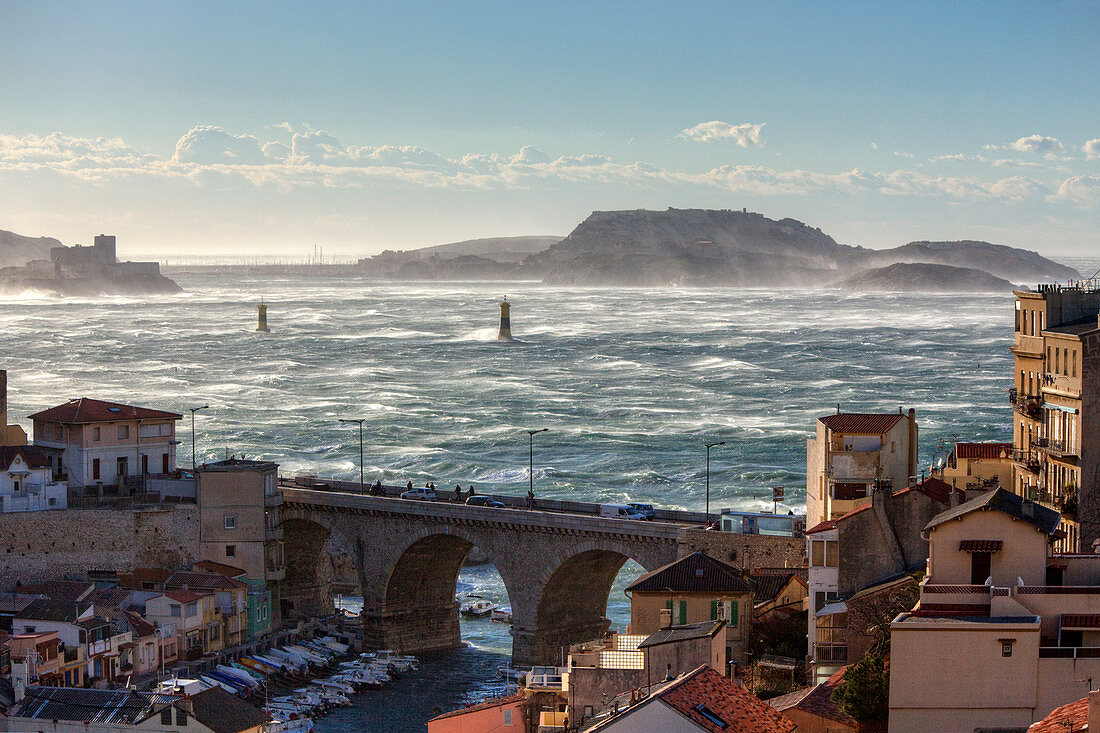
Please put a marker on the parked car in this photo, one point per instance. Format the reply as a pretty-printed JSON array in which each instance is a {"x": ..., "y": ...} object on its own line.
[
  {"x": 646, "y": 510},
  {"x": 620, "y": 511},
  {"x": 484, "y": 501},
  {"x": 421, "y": 494}
]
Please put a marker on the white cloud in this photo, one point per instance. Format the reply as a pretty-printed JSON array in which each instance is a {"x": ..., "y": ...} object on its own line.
[
  {"x": 1083, "y": 191},
  {"x": 1092, "y": 149},
  {"x": 747, "y": 135},
  {"x": 1037, "y": 144},
  {"x": 210, "y": 144}
]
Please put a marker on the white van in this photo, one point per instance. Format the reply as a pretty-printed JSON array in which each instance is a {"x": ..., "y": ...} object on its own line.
[{"x": 620, "y": 511}]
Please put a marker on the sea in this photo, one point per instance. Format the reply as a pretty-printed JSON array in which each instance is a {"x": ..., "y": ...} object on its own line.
[{"x": 629, "y": 383}]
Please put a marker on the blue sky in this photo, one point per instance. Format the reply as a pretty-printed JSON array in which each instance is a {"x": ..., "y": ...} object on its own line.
[{"x": 273, "y": 127}]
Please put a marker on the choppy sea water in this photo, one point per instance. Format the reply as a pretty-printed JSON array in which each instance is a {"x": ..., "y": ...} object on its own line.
[{"x": 629, "y": 382}]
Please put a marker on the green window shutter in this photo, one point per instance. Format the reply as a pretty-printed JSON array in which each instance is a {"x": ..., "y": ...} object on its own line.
[
  {"x": 733, "y": 613},
  {"x": 683, "y": 612},
  {"x": 668, "y": 604},
  {"x": 713, "y": 610}
]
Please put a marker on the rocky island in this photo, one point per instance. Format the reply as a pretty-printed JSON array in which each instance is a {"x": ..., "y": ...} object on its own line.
[
  {"x": 45, "y": 265},
  {"x": 711, "y": 248}
]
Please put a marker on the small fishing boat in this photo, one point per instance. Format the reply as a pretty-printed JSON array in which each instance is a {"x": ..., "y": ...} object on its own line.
[
  {"x": 501, "y": 615},
  {"x": 479, "y": 608}
]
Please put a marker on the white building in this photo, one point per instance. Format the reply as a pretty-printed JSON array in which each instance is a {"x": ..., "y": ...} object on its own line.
[
  {"x": 27, "y": 483},
  {"x": 96, "y": 444}
]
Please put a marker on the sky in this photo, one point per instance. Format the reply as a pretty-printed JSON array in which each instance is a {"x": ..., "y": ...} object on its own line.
[{"x": 269, "y": 128}]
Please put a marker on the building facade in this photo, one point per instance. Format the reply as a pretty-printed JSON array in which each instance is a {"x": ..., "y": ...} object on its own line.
[
  {"x": 854, "y": 453},
  {"x": 27, "y": 483},
  {"x": 1056, "y": 406},
  {"x": 9, "y": 434},
  {"x": 95, "y": 444}
]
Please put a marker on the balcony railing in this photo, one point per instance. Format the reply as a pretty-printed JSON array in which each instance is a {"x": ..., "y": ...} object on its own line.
[
  {"x": 1028, "y": 459},
  {"x": 1029, "y": 406},
  {"x": 1069, "y": 652},
  {"x": 830, "y": 653},
  {"x": 1059, "y": 448}
]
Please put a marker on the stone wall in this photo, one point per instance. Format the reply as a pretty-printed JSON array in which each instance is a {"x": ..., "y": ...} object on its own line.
[
  {"x": 747, "y": 551},
  {"x": 67, "y": 543}
]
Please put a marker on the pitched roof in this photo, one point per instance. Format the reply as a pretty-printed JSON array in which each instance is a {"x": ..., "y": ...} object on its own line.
[
  {"x": 45, "y": 609},
  {"x": 933, "y": 488},
  {"x": 984, "y": 451},
  {"x": 1015, "y": 506},
  {"x": 224, "y": 712},
  {"x": 740, "y": 710},
  {"x": 111, "y": 598},
  {"x": 86, "y": 410},
  {"x": 489, "y": 704},
  {"x": 769, "y": 585},
  {"x": 183, "y": 596},
  {"x": 202, "y": 581},
  {"x": 696, "y": 573},
  {"x": 60, "y": 590},
  {"x": 140, "y": 576},
  {"x": 861, "y": 423},
  {"x": 1070, "y": 718},
  {"x": 138, "y": 625},
  {"x": 220, "y": 568},
  {"x": 32, "y": 456},
  {"x": 94, "y": 706},
  {"x": 816, "y": 700},
  {"x": 672, "y": 634}
]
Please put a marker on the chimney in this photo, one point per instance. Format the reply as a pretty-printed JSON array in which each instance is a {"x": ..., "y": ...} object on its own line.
[{"x": 1094, "y": 711}]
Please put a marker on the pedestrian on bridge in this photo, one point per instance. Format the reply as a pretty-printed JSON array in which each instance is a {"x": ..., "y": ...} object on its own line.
[
  {"x": 458, "y": 493},
  {"x": 530, "y": 499}
]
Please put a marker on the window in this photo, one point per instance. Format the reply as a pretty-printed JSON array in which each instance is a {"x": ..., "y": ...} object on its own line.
[
  {"x": 175, "y": 610},
  {"x": 980, "y": 563},
  {"x": 95, "y": 433},
  {"x": 164, "y": 463},
  {"x": 711, "y": 716},
  {"x": 28, "y": 629},
  {"x": 732, "y": 614},
  {"x": 230, "y": 521},
  {"x": 683, "y": 612},
  {"x": 230, "y": 550},
  {"x": 181, "y": 717},
  {"x": 823, "y": 553},
  {"x": 166, "y": 716},
  {"x": 1006, "y": 647},
  {"x": 507, "y": 717},
  {"x": 95, "y": 469},
  {"x": 714, "y": 610},
  {"x": 192, "y": 609},
  {"x": 123, "y": 432}
]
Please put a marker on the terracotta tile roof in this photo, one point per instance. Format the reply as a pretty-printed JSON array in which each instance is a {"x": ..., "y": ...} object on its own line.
[
  {"x": 768, "y": 586},
  {"x": 802, "y": 573},
  {"x": 60, "y": 590},
  {"x": 935, "y": 489},
  {"x": 983, "y": 451},
  {"x": 184, "y": 596},
  {"x": 489, "y": 704},
  {"x": 45, "y": 609},
  {"x": 223, "y": 712},
  {"x": 816, "y": 700},
  {"x": 672, "y": 634},
  {"x": 696, "y": 573},
  {"x": 109, "y": 598},
  {"x": 140, "y": 576},
  {"x": 1037, "y": 515},
  {"x": 86, "y": 410},
  {"x": 1070, "y": 718},
  {"x": 138, "y": 625},
  {"x": 202, "y": 581},
  {"x": 861, "y": 424},
  {"x": 742, "y": 711},
  {"x": 33, "y": 457},
  {"x": 220, "y": 568},
  {"x": 821, "y": 527}
]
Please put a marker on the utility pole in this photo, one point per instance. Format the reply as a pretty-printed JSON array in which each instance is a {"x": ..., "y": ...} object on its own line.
[{"x": 359, "y": 422}]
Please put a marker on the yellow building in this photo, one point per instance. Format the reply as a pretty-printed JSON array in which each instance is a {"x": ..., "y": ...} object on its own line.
[
  {"x": 9, "y": 434},
  {"x": 1056, "y": 412},
  {"x": 978, "y": 466},
  {"x": 694, "y": 589},
  {"x": 1005, "y": 630},
  {"x": 852, "y": 454}
]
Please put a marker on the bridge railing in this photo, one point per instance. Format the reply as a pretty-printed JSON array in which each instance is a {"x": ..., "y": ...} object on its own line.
[{"x": 446, "y": 496}]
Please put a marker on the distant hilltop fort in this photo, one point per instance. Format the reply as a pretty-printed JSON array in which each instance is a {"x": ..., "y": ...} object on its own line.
[{"x": 82, "y": 270}]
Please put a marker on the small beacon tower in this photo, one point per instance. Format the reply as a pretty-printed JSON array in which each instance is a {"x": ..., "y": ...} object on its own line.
[
  {"x": 505, "y": 322},
  {"x": 261, "y": 317}
]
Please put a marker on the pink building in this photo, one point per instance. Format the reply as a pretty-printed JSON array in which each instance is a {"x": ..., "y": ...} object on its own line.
[{"x": 499, "y": 714}]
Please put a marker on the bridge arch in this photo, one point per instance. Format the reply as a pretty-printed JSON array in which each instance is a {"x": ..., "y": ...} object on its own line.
[{"x": 306, "y": 589}]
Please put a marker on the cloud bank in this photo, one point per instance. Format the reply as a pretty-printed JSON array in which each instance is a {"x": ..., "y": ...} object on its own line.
[{"x": 747, "y": 135}]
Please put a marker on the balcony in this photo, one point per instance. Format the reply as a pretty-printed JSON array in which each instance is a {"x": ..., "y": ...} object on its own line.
[
  {"x": 1057, "y": 448},
  {"x": 1026, "y": 459},
  {"x": 1031, "y": 407},
  {"x": 273, "y": 500},
  {"x": 830, "y": 653},
  {"x": 1069, "y": 652}
]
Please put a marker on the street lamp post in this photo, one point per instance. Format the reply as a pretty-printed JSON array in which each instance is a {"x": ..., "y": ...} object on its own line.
[
  {"x": 359, "y": 421},
  {"x": 531, "y": 459},
  {"x": 193, "y": 411},
  {"x": 709, "y": 446}
]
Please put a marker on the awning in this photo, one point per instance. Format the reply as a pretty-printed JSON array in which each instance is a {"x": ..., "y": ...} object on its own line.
[
  {"x": 980, "y": 546},
  {"x": 1052, "y": 406},
  {"x": 1080, "y": 621},
  {"x": 833, "y": 608}
]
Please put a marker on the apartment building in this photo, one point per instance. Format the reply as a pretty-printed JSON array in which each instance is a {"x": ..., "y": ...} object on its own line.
[
  {"x": 1017, "y": 620},
  {"x": 94, "y": 444},
  {"x": 27, "y": 483},
  {"x": 978, "y": 466},
  {"x": 1056, "y": 406},
  {"x": 239, "y": 504},
  {"x": 854, "y": 453}
]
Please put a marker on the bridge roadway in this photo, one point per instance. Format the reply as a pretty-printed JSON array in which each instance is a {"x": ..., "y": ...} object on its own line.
[{"x": 557, "y": 564}]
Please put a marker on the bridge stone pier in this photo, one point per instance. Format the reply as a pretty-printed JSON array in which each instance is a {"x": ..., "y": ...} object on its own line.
[{"x": 557, "y": 568}]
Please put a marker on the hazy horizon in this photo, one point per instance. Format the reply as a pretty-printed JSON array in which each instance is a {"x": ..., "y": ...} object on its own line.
[{"x": 268, "y": 129}]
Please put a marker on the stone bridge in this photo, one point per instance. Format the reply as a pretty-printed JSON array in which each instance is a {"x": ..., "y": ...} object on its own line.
[{"x": 558, "y": 568}]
